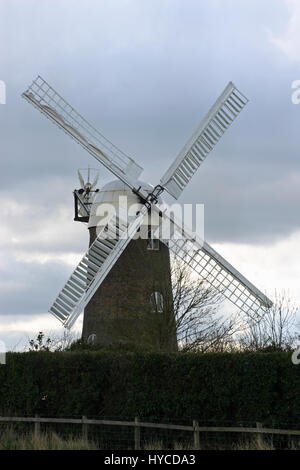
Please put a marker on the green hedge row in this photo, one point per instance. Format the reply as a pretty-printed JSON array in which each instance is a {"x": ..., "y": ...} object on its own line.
[{"x": 216, "y": 388}]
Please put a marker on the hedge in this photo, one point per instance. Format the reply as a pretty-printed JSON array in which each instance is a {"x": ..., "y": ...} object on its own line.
[{"x": 213, "y": 388}]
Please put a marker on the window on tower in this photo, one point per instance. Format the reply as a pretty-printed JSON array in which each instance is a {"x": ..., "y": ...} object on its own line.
[
  {"x": 156, "y": 302},
  {"x": 92, "y": 338},
  {"x": 152, "y": 243}
]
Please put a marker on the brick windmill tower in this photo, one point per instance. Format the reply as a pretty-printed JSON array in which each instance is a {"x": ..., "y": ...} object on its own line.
[{"x": 123, "y": 272}]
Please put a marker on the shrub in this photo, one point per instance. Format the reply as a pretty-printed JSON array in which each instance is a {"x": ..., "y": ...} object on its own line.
[{"x": 216, "y": 388}]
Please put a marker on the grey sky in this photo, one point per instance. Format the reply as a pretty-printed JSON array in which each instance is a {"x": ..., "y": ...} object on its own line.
[{"x": 144, "y": 72}]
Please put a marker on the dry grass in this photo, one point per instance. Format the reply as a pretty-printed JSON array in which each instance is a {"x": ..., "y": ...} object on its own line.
[
  {"x": 265, "y": 443},
  {"x": 252, "y": 443},
  {"x": 255, "y": 443},
  {"x": 11, "y": 440},
  {"x": 153, "y": 445},
  {"x": 46, "y": 441}
]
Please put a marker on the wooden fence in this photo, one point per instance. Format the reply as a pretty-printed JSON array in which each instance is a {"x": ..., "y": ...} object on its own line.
[{"x": 137, "y": 425}]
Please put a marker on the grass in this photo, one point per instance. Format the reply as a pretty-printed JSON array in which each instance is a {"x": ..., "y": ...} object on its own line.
[
  {"x": 45, "y": 441},
  {"x": 252, "y": 443},
  {"x": 11, "y": 440}
]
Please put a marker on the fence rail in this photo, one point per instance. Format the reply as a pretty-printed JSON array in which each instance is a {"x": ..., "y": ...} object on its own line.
[{"x": 137, "y": 425}]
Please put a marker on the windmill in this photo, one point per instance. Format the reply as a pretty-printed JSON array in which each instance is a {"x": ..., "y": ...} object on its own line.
[{"x": 104, "y": 253}]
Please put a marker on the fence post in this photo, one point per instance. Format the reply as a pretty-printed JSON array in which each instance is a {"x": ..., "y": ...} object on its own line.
[
  {"x": 137, "y": 435},
  {"x": 259, "y": 436},
  {"x": 196, "y": 435},
  {"x": 37, "y": 427},
  {"x": 84, "y": 429}
]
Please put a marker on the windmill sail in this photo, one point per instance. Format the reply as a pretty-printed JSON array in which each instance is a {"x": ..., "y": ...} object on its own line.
[
  {"x": 218, "y": 119},
  {"x": 41, "y": 95},
  {"x": 93, "y": 268},
  {"x": 205, "y": 262},
  {"x": 223, "y": 277}
]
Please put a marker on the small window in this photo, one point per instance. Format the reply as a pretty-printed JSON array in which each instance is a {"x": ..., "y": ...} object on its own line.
[
  {"x": 92, "y": 339},
  {"x": 156, "y": 302},
  {"x": 153, "y": 244}
]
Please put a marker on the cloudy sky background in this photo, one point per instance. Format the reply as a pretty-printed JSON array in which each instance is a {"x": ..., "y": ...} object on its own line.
[{"x": 144, "y": 72}]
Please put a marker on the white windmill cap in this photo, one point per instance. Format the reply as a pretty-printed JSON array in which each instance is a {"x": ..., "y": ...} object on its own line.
[
  {"x": 118, "y": 185},
  {"x": 112, "y": 193}
]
